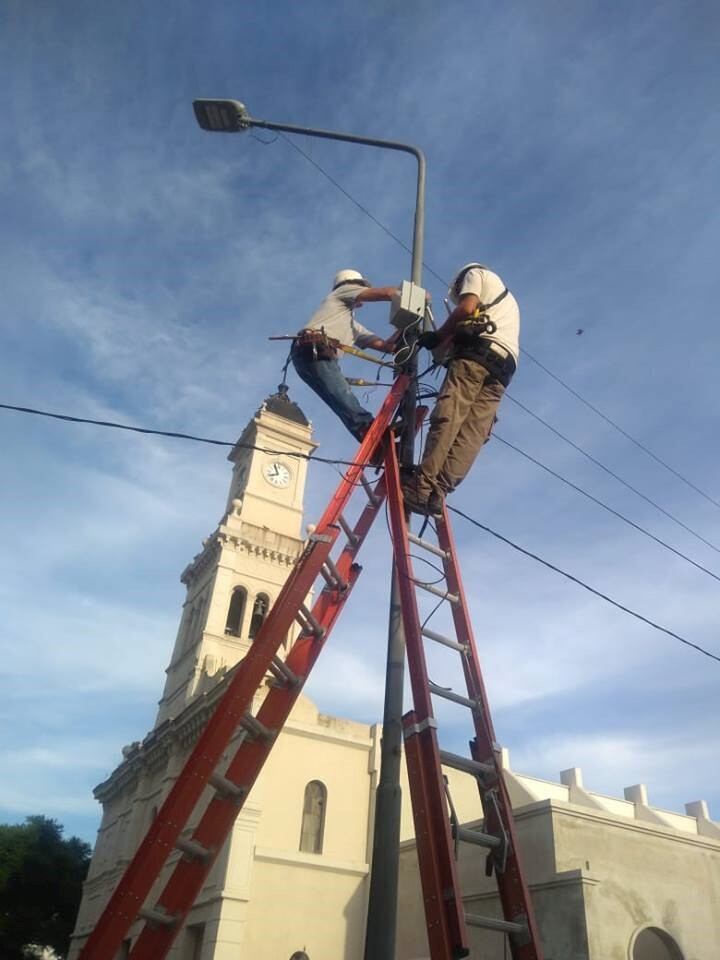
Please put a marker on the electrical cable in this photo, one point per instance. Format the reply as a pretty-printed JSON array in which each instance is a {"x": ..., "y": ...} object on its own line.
[
  {"x": 581, "y": 583},
  {"x": 335, "y": 463},
  {"x": 338, "y": 463},
  {"x": 432, "y": 583},
  {"x": 607, "y": 470},
  {"x": 617, "y": 427},
  {"x": 524, "y": 351},
  {"x": 357, "y": 203},
  {"x": 179, "y": 436},
  {"x": 605, "y": 506}
]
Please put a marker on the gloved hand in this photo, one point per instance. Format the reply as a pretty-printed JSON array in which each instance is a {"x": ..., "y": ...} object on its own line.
[{"x": 430, "y": 339}]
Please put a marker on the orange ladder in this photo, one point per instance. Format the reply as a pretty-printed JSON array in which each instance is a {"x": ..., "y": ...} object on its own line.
[
  {"x": 170, "y": 835},
  {"x": 437, "y": 830}
]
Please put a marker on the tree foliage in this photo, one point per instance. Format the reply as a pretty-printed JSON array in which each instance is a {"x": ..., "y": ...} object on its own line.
[{"x": 41, "y": 877}]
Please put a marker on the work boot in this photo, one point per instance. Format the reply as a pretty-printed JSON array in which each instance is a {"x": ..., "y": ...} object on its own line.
[
  {"x": 435, "y": 504},
  {"x": 415, "y": 501}
]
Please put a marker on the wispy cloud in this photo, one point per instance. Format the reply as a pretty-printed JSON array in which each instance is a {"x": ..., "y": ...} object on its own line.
[{"x": 145, "y": 263}]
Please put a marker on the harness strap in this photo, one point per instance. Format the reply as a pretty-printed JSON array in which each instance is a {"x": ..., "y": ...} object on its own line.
[{"x": 482, "y": 307}]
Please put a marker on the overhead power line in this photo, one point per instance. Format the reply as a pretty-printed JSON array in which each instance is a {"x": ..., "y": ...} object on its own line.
[
  {"x": 585, "y": 586},
  {"x": 605, "y": 506},
  {"x": 357, "y": 203},
  {"x": 304, "y": 456},
  {"x": 607, "y": 470},
  {"x": 523, "y": 350},
  {"x": 335, "y": 462},
  {"x": 617, "y": 427},
  {"x": 171, "y": 433}
]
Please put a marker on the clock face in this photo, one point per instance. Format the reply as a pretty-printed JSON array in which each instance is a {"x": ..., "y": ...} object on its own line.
[{"x": 277, "y": 474}]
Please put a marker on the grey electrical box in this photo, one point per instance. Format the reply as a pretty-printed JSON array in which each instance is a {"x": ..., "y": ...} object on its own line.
[{"x": 407, "y": 306}]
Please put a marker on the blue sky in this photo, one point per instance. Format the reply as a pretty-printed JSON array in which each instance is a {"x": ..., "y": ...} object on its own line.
[{"x": 572, "y": 147}]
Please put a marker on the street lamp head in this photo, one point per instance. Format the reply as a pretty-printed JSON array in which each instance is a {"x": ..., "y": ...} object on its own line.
[{"x": 221, "y": 116}]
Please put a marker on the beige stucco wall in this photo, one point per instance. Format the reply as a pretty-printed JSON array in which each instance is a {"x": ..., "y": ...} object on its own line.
[
  {"x": 596, "y": 880},
  {"x": 640, "y": 875}
]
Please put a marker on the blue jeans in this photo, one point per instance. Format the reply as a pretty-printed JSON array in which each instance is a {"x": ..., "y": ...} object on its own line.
[{"x": 326, "y": 379}]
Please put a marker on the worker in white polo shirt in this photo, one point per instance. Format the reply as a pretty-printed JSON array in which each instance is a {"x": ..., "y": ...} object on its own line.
[
  {"x": 315, "y": 355},
  {"x": 482, "y": 336}
]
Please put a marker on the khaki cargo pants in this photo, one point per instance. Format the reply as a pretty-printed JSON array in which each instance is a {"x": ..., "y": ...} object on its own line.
[{"x": 459, "y": 426}]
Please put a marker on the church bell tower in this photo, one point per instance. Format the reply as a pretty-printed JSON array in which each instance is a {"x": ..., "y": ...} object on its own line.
[{"x": 232, "y": 583}]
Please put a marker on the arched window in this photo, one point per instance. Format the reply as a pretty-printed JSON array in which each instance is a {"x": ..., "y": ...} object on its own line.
[
  {"x": 654, "y": 944},
  {"x": 236, "y": 612},
  {"x": 260, "y": 610},
  {"x": 313, "y": 820},
  {"x": 190, "y": 628}
]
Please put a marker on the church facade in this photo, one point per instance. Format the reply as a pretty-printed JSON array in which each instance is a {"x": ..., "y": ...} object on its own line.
[{"x": 611, "y": 879}]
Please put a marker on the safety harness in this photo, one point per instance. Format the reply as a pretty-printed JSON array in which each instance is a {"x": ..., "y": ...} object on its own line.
[{"x": 471, "y": 342}]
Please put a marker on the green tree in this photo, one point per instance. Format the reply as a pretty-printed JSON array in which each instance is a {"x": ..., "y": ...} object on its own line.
[{"x": 41, "y": 877}]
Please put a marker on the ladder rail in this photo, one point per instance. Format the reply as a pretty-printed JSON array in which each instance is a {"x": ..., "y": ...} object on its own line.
[
  {"x": 445, "y": 915},
  {"x": 152, "y": 854},
  {"x": 175, "y": 812},
  {"x": 447, "y": 932},
  {"x": 498, "y": 817},
  {"x": 463, "y": 629},
  {"x": 187, "y": 878}
]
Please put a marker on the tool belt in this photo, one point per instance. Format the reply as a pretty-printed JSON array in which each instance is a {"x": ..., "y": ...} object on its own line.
[
  {"x": 496, "y": 359},
  {"x": 314, "y": 345}
]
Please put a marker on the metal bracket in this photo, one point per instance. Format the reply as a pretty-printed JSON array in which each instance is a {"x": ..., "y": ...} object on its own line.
[{"x": 415, "y": 728}]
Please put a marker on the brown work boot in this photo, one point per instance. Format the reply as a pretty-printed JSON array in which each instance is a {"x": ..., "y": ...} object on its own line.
[
  {"x": 415, "y": 499},
  {"x": 435, "y": 504}
]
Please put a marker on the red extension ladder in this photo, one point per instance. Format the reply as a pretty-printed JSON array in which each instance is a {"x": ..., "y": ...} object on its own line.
[{"x": 436, "y": 827}]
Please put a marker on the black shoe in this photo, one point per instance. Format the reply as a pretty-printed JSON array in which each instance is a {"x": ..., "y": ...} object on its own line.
[{"x": 435, "y": 504}]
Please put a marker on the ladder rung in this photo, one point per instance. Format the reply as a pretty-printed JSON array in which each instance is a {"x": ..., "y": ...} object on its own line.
[
  {"x": 455, "y": 697},
  {"x": 443, "y": 594},
  {"x": 465, "y": 764},
  {"x": 332, "y": 576},
  {"x": 478, "y": 838},
  {"x": 158, "y": 915},
  {"x": 193, "y": 849},
  {"x": 226, "y": 788},
  {"x": 494, "y": 923},
  {"x": 372, "y": 496},
  {"x": 282, "y": 672},
  {"x": 256, "y": 729},
  {"x": 348, "y": 531},
  {"x": 446, "y": 641},
  {"x": 311, "y": 624},
  {"x": 430, "y": 547}
]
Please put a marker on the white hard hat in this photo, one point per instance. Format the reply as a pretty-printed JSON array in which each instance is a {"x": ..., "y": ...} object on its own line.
[
  {"x": 349, "y": 276},
  {"x": 456, "y": 284}
]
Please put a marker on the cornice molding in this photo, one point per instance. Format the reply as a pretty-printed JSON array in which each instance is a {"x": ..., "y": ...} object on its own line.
[{"x": 160, "y": 744}]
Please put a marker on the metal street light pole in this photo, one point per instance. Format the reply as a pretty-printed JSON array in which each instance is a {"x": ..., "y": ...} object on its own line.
[{"x": 230, "y": 116}]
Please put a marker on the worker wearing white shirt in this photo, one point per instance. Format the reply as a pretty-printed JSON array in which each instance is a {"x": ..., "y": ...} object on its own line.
[
  {"x": 482, "y": 334},
  {"x": 314, "y": 354}
]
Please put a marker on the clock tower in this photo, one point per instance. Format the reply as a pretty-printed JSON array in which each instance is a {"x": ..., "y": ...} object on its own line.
[{"x": 234, "y": 580}]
